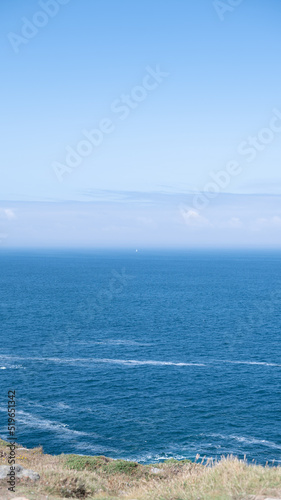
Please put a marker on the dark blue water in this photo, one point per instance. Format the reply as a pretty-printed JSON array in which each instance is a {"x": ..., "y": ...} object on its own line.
[{"x": 143, "y": 355}]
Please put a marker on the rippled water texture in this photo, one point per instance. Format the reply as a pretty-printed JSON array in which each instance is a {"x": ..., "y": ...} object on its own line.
[{"x": 143, "y": 355}]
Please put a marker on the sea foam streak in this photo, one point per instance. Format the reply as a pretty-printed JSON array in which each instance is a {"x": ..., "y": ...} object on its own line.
[
  {"x": 133, "y": 362},
  {"x": 113, "y": 342},
  {"x": 261, "y": 363},
  {"x": 36, "y": 422},
  {"x": 246, "y": 440}
]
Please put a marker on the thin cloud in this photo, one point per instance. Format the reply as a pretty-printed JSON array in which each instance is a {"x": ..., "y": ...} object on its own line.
[
  {"x": 193, "y": 218},
  {"x": 7, "y": 213},
  {"x": 235, "y": 222},
  {"x": 263, "y": 223}
]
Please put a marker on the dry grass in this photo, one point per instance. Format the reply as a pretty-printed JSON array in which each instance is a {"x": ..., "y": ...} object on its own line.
[
  {"x": 73, "y": 476},
  {"x": 228, "y": 479}
]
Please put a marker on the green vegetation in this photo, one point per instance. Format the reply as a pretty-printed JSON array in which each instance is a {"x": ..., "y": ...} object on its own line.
[
  {"x": 103, "y": 464},
  {"x": 102, "y": 478},
  {"x": 171, "y": 461}
]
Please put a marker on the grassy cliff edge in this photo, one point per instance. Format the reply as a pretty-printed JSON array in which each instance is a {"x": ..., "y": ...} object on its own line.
[{"x": 98, "y": 477}]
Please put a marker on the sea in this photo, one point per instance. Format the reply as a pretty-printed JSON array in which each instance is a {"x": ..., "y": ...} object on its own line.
[{"x": 143, "y": 355}]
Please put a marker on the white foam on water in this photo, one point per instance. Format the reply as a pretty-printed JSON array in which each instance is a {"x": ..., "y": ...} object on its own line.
[
  {"x": 157, "y": 458},
  {"x": 261, "y": 363},
  {"x": 246, "y": 440},
  {"x": 132, "y": 362},
  {"x": 8, "y": 357},
  {"x": 262, "y": 442},
  {"x": 12, "y": 367},
  {"x": 62, "y": 406},
  {"x": 136, "y": 362},
  {"x": 112, "y": 342},
  {"x": 36, "y": 422}
]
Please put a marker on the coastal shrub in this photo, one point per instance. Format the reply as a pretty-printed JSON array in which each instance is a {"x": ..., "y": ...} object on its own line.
[
  {"x": 78, "y": 462},
  {"x": 174, "y": 461},
  {"x": 102, "y": 463},
  {"x": 121, "y": 467},
  {"x": 73, "y": 488}
]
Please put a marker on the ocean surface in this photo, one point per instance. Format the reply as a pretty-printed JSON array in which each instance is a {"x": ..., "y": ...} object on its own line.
[{"x": 143, "y": 355}]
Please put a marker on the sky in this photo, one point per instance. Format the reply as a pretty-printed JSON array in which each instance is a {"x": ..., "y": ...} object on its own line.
[{"x": 140, "y": 124}]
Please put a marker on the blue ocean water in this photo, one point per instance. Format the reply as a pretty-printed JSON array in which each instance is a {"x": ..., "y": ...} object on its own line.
[{"x": 143, "y": 355}]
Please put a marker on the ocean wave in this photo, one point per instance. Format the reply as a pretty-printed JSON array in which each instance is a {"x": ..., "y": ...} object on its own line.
[
  {"x": 12, "y": 367},
  {"x": 62, "y": 406},
  {"x": 158, "y": 458}
]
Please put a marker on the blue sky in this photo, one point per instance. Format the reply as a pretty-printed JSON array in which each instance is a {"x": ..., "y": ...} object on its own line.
[{"x": 218, "y": 96}]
